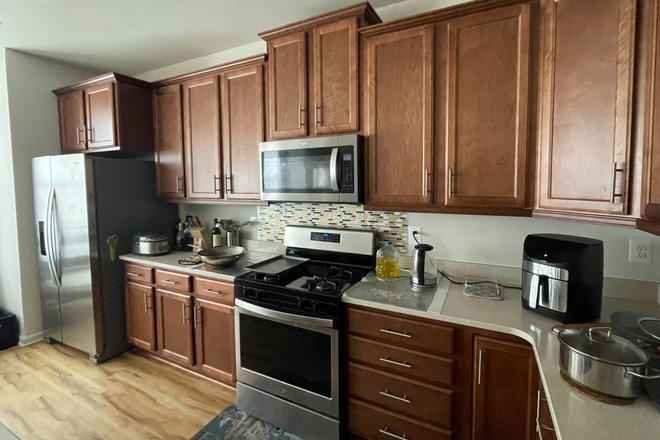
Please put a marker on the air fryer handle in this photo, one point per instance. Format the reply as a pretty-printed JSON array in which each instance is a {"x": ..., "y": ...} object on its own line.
[{"x": 534, "y": 291}]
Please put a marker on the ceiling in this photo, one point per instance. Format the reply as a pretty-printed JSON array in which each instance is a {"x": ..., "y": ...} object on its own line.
[{"x": 136, "y": 36}]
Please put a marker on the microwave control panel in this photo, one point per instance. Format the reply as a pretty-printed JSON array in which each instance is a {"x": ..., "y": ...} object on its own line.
[{"x": 347, "y": 161}]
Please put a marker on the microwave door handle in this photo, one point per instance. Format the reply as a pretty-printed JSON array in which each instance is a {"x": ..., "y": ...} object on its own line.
[{"x": 334, "y": 175}]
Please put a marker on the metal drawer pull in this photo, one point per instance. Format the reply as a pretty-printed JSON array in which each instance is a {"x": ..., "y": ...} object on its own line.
[
  {"x": 400, "y": 364},
  {"x": 390, "y": 332},
  {"x": 479, "y": 375},
  {"x": 132, "y": 274},
  {"x": 538, "y": 429},
  {"x": 392, "y": 396},
  {"x": 185, "y": 315},
  {"x": 386, "y": 432},
  {"x": 145, "y": 303},
  {"x": 215, "y": 292},
  {"x": 546, "y": 427},
  {"x": 169, "y": 282}
]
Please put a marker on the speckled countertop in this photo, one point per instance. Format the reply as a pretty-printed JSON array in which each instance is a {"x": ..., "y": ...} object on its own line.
[
  {"x": 576, "y": 417},
  {"x": 171, "y": 262}
]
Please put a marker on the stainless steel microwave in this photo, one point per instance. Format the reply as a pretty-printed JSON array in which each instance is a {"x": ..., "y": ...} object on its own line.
[{"x": 324, "y": 169}]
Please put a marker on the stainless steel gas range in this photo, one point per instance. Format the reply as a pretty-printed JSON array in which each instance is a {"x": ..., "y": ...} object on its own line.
[{"x": 289, "y": 329}]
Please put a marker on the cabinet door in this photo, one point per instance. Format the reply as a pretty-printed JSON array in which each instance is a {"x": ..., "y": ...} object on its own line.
[
  {"x": 486, "y": 107},
  {"x": 71, "y": 111},
  {"x": 287, "y": 86},
  {"x": 175, "y": 327},
  {"x": 201, "y": 123},
  {"x": 101, "y": 116},
  {"x": 214, "y": 335},
  {"x": 140, "y": 316},
  {"x": 400, "y": 116},
  {"x": 504, "y": 390},
  {"x": 651, "y": 181},
  {"x": 587, "y": 59},
  {"x": 335, "y": 77},
  {"x": 242, "y": 127},
  {"x": 168, "y": 134}
]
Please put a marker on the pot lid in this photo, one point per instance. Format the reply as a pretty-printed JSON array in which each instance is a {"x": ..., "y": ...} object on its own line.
[
  {"x": 600, "y": 344},
  {"x": 149, "y": 237}
]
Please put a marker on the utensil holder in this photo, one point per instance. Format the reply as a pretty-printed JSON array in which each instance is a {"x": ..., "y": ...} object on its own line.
[{"x": 233, "y": 238}]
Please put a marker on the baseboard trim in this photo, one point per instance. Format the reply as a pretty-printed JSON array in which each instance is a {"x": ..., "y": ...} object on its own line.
[{"x": 24, "y": 341}]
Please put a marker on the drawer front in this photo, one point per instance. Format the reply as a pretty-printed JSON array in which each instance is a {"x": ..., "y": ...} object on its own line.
[
  {"x": 401, "y": 332},
  {"x": 545, "y": 419},
  {"x": 173, "y": 281},
  {"x": 139, "y": 274},
  {"x": 214, "y": 290},
  {"x": 401, "y": 396},
  {"x": 409, "y": 363},
  {"x": 375, "y": 424}
]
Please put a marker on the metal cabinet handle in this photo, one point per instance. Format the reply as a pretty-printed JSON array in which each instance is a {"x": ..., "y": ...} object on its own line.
[
  {"x": 479, "y": 371},
  {"x": 228, "y": 183},
  {"x": 538, "y": 429},
  {"x": 132, "y": 274},
  {"x": 400, "y": 364},
  {"x": 425, "y": 183},
  {"x": 392, "y": 396},
  {"x": 301, "y": 121},
  {"x": 78, "y": 131},
  {"x": 386, "y": 432},
  {"x": 195, "y": 310},
  {"x": 91, "y": 134},
  {"x": 390, "y": 332},
  {"x": 216, "y": 183},
  {"x": 450, "y": 178},
  {"x": 215, "y": 292},
  {"x": 317, "y": 118},
  {"x": 185, "y": 315},
  {"x": 145, "y": 303},
  {"x": 179, "y": 188},
  {"x": 169, "y": 282},
  {"x": 614, "y": 194}
]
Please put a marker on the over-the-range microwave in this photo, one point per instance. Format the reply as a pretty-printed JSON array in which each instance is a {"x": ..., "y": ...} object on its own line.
[{"x": 324, "y": 169}]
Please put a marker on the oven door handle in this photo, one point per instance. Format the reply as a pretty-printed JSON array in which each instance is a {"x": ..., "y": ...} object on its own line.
[
  {"x": 282, "y": 316},
  {"x": 334, "y": 175}
]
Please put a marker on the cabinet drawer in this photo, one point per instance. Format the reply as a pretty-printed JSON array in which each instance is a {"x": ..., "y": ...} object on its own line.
[
  {"x": 545, "y": 419},
  {"x": 372, "y": 423},
  {"x": 402, "y": 396},
  {"x": 173, "y": 281},
  {"x": 139, "y": 274},
  {"x": 409, "y": 363},
  {"x": 401, "y": 332},
  {"x": 214, "y": 290}
]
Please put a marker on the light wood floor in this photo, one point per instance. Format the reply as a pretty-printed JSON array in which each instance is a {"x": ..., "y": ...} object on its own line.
[{"x": 55, "y": 392}]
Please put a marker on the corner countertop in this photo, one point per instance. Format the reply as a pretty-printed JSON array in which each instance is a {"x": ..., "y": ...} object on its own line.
[
  {"x": 575, "y": 416},
  {"x": 171, "y": 262}
]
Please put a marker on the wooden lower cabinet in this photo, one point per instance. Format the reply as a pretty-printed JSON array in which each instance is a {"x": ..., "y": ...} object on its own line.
[
  {"x": 214, "y": 340},
  {"x": 504, "y": 390},
  {"x": 140, "y": 316},
  {"x": 175, "y": 327}
]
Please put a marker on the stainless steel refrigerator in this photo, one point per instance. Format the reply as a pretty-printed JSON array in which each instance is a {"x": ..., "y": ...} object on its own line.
[{"x": 80, "y": 201}]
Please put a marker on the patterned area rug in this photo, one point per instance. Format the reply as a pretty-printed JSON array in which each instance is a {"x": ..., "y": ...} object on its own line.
[{"x": 233, "y": 424}]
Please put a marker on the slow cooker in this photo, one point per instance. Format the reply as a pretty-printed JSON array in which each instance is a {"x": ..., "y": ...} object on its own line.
[{"x": 150, "y": 243}]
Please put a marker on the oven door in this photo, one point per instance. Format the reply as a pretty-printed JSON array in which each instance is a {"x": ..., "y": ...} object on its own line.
[
  {"x": 305, "y": 171},
  {"x": 293, "y": 357}
]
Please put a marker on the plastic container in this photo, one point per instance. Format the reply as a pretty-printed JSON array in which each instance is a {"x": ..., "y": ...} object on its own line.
[
  {"x": 8, "y": 330},
  {"x": 387, "y": 261}
]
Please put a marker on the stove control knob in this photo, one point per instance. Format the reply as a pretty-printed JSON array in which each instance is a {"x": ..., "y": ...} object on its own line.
[{"x": 304, "y": 304}]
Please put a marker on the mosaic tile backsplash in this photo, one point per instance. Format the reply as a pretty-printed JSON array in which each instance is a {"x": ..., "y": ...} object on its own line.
[{"x": 391, "y": 226}]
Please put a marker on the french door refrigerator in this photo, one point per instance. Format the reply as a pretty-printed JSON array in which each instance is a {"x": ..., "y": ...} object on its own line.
[{"x": 80, "y": 201}]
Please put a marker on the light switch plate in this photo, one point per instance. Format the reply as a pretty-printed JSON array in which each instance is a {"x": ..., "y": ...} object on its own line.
[
  {"x": 411, "y": 239},
  {"x": 640, "y": 251}
]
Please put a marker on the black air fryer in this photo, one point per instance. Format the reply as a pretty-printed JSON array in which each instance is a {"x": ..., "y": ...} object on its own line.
[{"x": 563, "y": 277}]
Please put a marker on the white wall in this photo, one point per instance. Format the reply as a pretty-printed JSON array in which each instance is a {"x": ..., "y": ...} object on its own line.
[{"x": 34, "y": 132}]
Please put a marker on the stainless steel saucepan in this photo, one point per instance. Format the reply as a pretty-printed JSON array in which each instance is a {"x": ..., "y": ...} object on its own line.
[{"x": 603, "y": 362}]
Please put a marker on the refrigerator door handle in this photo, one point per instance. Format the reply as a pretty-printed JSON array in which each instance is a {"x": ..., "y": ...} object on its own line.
[
  {"x": 48, "y": 230},
  {"x": 57, "y": 263}
]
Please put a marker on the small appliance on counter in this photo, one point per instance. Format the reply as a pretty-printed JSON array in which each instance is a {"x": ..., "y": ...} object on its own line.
[
  {"x": 563, "y": 277},
  {"x": 423, "y": 272},
  {"x": 150, "y": 243}
]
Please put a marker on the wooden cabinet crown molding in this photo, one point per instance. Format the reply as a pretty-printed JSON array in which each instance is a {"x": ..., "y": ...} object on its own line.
[
  {"x": 108, "y": 77},
  {"x": 360, "y": 9},
  {"x": 214, "y": 70}
]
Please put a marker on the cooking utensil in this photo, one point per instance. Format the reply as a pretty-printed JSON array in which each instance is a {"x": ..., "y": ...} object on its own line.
[
  {"x": 222, "y": 256},
  {"x": 602, "y": 362},
  {"x": 112, "y": 242}
]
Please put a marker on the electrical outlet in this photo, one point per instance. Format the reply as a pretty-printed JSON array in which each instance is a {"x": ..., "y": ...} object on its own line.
[
  {"x": 411, "y": 239},
  {"x": 640, "y": 251}
]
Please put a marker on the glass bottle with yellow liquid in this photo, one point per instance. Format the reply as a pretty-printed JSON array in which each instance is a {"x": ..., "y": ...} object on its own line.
[{"x": 387, "y": 261}]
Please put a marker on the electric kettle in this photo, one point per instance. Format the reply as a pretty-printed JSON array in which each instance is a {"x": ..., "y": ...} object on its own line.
[{"x": 423, "y": 272}]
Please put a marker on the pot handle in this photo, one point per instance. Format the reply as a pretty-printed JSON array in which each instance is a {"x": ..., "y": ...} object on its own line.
[
  {"x": 653, "y": 336},
  {"x": 643, "y": 376},
  {"x": 591, "y": 329}
]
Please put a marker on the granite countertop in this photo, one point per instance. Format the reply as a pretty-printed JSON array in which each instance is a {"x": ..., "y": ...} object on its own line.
[
  {"x": 171, "y": 262},
  {"x": 576, "y": 417}
]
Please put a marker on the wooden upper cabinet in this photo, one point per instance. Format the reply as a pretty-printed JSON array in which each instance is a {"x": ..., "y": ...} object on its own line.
[
  {"x": 399, "y": 107},
  {"x": 487, "y": 63},
  {"x": 201, "y": 124},
  {"x": 504, "y": 388},
  {"x": 107, "y": 113},
  {"x": 71, "y": 108},
  {"x": 335, "y": 77},
  {"x": 140, "y": 316},
  {"x": 168, "y": 137},
  {"x": 287, "y": 86},
  {"x": 586, "y": 95},
  {"x": 214, "y": 335},
  {"x": 175, "y": 326},
  {"x": 243, "y": 129}
]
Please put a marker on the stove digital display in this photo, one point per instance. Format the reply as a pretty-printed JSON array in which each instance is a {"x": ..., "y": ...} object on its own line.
[{"x": 324, "y": 236}]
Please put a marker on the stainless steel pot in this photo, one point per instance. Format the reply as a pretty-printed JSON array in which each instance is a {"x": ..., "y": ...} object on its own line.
[
  {"x": 602, "y": 362},
  {"x": 150, "y": 243}
]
